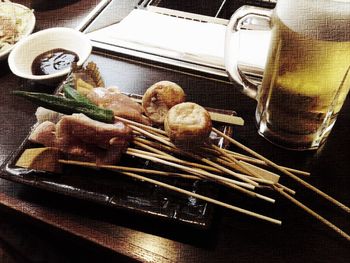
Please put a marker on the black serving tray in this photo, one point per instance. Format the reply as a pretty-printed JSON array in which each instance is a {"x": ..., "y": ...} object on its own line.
[{"x": 117, "y": 191}]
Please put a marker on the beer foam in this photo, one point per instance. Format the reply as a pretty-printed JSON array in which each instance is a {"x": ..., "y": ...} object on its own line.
[{"x": 319, "y": 19}]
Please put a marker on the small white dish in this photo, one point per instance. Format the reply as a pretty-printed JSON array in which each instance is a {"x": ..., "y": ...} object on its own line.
[
  {"x": 23, "y": 17},
  {"x": 25, "y": 51}
]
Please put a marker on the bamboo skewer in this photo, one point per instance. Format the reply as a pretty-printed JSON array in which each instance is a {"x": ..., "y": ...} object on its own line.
[
  {"x": 146, "y": 127},
  {"x": 314, "y": 214},
  {"x": 219, "y": 179},
  {"x": 129, "y": 169},
  {"x": 286, "y": 189},
  {"x": 153, "y": 136},
  {"x": 233, "y": 166},
  {"x": 230, "y": 172},
  {"x": 174, "y": 188},
  {"x": 256, "y": 179},
  {"x": 236, "y": 155},
  {"x": 190, "y": 155},
  {"x": 197, "y": 172},
  {"x": 260, "y": 180},
  {"x": 255, "y": 174},
  {"x": 243, "y": 176},
  {"x": 250, "y": 159},
  {"x": 307, "y": 185},
  {"x": 166, "y": 142},
  {"x": 290, "y": 198},
  {"x": 139, "y": 170},
  {"x": 156, "y": 135},
  {"x": 177, "y": 160},
  {"x": 144, "y": 142},
  {"x": 123, "y": 170},
  {"x": 204, "y": 198},
  {"x": 278, "y": 187},
  {"x": 160, "y": 132},
  {"x": 150, "y": 148},
  {"x": 176, "y": 151},
  {"x": 236, "y": 162}
]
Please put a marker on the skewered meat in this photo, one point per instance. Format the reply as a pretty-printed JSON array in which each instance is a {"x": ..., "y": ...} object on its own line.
[
  {"x": 43, "y": 114},
  {"x": 84, "y": 138},
  {"x": 159, "y": 98},
  {"x": 120, "y": 104},
  {"x": 44, "y": 134},
  {"x": 90, "y": 131}
]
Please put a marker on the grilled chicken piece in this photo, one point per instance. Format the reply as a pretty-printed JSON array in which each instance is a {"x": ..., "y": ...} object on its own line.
[
  {"x": 120, "y": 104},
  {"x": 84, "y": 138},
  {"x": 44, "y": 134},
  {"x": 90, "y": 131}
]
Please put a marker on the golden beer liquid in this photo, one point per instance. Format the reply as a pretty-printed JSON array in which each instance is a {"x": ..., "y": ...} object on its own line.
[{"x": 303, "y": 89}]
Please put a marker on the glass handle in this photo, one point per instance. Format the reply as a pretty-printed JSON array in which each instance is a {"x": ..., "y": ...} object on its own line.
[{"x": 245, "y": 18}]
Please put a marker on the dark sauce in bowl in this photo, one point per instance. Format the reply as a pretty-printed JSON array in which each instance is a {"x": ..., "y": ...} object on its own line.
[{"x": 53, "y": 61}]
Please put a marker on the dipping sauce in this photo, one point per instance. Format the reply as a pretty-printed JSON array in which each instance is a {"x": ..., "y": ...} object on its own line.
[{"x": 53, "y": 61}]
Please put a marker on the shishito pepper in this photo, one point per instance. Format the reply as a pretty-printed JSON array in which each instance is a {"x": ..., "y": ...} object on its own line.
[{"x": 67, "y": 105}]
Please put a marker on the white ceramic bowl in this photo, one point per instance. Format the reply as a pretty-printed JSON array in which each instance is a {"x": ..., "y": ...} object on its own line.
[
  {"x": 25, "y": 51},
  {"x": 26, "y": 17}
]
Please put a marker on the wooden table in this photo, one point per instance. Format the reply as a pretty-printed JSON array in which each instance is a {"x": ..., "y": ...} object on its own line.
[{"x": 38, "y": 225}]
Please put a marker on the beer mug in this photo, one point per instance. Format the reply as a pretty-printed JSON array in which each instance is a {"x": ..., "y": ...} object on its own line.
[{"x": 306, "y": 76}]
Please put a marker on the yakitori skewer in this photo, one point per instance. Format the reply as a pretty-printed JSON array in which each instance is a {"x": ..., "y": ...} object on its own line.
[
  {"x": 253, "y": 160},
  {"x": 236, "y": 155},
  {"x": 205, "y": 198},
  {"x": 219, "y": 179},
  {"x": 263, "y": 179},
  {"x": 290, "y": 198},
  {"x": 249, "y": 170},
  {"x": 162, "y": 148},
  {"x": 256, "y": 172},
  {"x": 228, "y": 171},
  {"x": 194, "y": 171},
  {"x": 129, "y": 169},
  {"x": 163, "y": 155},
  {"x": 204, "y": 160},
  {"x": 284, "y": 171},
  {"x": 214, "y": 165},
  {"x": 286, "y": 189},
  {"x": 150, "y": 148},
  {"x": 146, "y": 127},
  {"x": 260, "y": 180},
  {"x": 313, "y": 213},
  {"x": 123, "y": 170},
  {"x": 177, "y": 151},
  {"x": 151, "y": 135},
  {"x": 153, "y": 145}
]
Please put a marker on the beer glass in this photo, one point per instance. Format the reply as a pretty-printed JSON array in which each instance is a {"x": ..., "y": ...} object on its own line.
[{"x": 306, "y": 77}]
